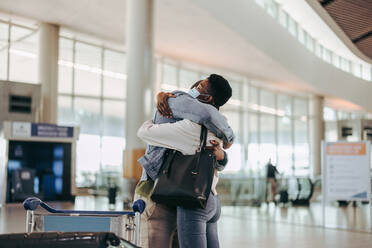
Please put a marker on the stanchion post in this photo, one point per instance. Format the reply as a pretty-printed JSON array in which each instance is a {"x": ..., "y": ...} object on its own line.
[
  {"x": 323, "y": 183},
  {"x": 29, "y": 221},
  {"x": 137, "y": 228}
]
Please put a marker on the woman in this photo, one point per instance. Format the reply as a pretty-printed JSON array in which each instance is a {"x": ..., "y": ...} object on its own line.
[{"x": 196, "y": 227}]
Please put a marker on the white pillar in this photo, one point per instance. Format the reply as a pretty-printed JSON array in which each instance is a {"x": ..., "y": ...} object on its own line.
[
  {"x": 48, "y": 71},
  {"x": 316, "y": 133},
  {"x": 139, "y": 46}
]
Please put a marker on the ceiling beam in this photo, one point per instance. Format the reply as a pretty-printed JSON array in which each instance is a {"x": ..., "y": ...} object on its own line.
[
  {"x": 326, "y": 2},
  {"x": 362, "y": 37}
]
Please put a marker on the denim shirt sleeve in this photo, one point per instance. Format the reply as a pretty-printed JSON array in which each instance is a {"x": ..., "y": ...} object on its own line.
[
  {"x": 221, "y": 164},
  {"x": 186, "y": 107}
]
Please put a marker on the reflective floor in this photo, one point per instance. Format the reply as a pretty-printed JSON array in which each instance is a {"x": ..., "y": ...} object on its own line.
[{"x": 266, "y": 226}]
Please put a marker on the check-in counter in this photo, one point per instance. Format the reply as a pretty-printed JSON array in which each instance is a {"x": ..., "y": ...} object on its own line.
[{"x": 37, "y": 159}]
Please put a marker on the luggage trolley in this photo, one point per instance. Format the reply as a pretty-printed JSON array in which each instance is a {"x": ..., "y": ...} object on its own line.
[{"x": 124, "y": 224}]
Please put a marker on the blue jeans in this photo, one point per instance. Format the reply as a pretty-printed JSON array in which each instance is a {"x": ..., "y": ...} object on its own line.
[{"x": 197, "y": 227}]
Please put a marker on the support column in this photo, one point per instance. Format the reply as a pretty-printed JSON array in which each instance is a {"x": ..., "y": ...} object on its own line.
[
  {"x": 139, "y": 44},
  {"x": 316, "y": 134},
  {"x": 48, "y": 71}
]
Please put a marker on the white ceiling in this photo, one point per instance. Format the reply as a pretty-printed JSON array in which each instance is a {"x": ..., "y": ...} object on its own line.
[{"x": 183, "y": 31}]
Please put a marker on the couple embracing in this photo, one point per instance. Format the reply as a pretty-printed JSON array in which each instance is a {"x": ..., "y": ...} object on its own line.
[{"x": 177, "y": 125}]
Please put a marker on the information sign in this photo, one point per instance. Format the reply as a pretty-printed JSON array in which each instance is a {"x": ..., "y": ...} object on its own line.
[{"x": 347, "y": 171}]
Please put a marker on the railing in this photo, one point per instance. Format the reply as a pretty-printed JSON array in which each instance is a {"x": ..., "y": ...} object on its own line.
[
  {"x": 254, "y": 191},
  {"x": 363, "y": 71}
]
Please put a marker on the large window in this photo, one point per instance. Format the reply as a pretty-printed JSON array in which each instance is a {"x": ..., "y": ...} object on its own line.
[
  {"x": 267, "y": 124},
  {"x": 4, "y": 50},
  {"x": 92, "y": 91},
  {"x": 18, "y": 53}
]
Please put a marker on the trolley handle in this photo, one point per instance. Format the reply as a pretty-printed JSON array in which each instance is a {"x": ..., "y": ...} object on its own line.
[{"x": 32, "y": 203}]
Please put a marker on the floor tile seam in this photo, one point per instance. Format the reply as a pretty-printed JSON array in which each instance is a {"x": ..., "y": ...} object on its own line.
[{"x": 301, "y": 225}]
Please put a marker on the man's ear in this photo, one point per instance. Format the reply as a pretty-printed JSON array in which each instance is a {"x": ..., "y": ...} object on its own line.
[{"x": 210, "y": 100}]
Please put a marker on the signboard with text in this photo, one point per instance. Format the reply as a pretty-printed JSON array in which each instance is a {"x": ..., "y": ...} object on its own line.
[
  {"x": 347, "y": 170},
  {"x": 27, "y": 129}
]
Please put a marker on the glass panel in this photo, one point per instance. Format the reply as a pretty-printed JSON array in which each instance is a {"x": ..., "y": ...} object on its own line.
[
  {"x": 342, "y": 115},
  {"x": 114, "y": 80},
  {"x": 65, "y": 79},
  {"x": 300, "y": 107},
  {"x": 253, "y": 99},
  {"x": 267, "y": 101},
  {"x": 268, "y": 146},
  {"x": 309, "y": 42},
  {"x": 87, "y": 73},
  {"x": 368, "y": 116},
  {"x": 88, "y": 157},
  {"x": 233, "y": 118},
  {"x": 87, "y": 83},
  {"x": 261, "y": 3},
  {"x": 112, "y": 151},
  {"x": 113, "y": 118},
  {"x": 169, "y": 74},
  {"x": 88, "y": 55},
  {"x": 285, "y": 151},
  {"x": 301, "y": 35},
  {"x": 23, "y": 55},
  {"x": 292, "y": 27},
  {"x": 366, "y": 72},
  {"x": 87, "y": 115},
  {"x": 115, "y": 61},
  {"x": 187, "y": 78},
  {"x": 319, "y": 50},
  {"x": 235, "y": 152},
  {"x": 336, "y": 60},
  {"x": 65, "y": 66},
  {"x": 329, "y": 114},
  {"x": 253, "y": 145},
  {"x": 273, "y": 9},
  {"x": 327, "y": 55},
  {"x": 65, "y": 49},
  {"x": 345, "y": 65},
  {"x": 283, "y": 16},
  {"x": 235, "y": 158},
  {"x": 3, "y": 50},
  {"x": 356, "y": 115},
  {"x": 284, "y": 105},
  {"x": 113, "y": 87},
  {"x": 357, "y": 69},
  {"x": 331, "y": 131},
  {"x": 203, "y": 76},
  {"x": 236, "y": 90},
  {"x": 65, "y": 111},
  {"x": 301, "y": 148}
]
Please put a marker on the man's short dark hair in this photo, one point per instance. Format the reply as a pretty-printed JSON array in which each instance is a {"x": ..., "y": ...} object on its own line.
[{"x": 220, "y": 89}]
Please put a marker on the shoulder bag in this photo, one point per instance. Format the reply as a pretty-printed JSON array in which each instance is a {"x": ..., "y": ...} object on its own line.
[{"x": 186, "y": 180}]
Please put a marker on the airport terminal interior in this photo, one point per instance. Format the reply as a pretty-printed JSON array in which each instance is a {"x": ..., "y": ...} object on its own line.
[{"x": 78, "y": 79}]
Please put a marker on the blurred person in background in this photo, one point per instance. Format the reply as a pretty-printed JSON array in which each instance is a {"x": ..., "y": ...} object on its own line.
[{"x": 272, "y": 171}]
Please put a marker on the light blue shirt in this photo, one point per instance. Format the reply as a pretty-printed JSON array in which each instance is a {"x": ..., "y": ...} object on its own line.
[{"x": 184, "y": 106}]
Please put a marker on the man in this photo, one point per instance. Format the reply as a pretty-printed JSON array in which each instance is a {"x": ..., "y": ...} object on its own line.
[{"x": 210, "y": 93}]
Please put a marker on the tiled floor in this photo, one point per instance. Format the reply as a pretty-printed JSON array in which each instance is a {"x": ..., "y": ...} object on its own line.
[{"x": 267, "y": 226}]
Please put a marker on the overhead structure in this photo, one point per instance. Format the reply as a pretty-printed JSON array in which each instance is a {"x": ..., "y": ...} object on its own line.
[{"x": 354, "y": 17}]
